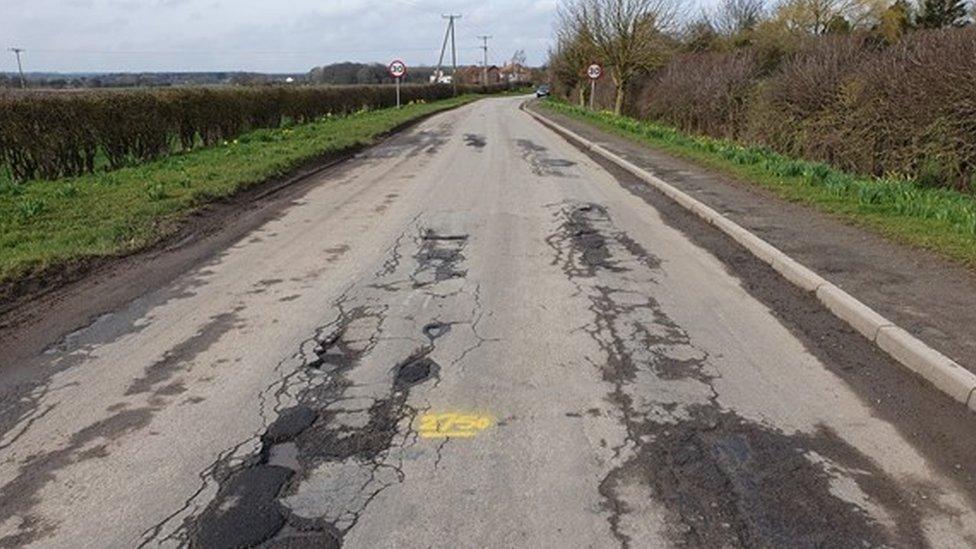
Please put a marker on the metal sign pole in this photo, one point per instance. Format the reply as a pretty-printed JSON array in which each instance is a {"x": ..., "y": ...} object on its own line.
[
  {"x": 594, "y": 71},
  {"x": 398, "y": 69}
]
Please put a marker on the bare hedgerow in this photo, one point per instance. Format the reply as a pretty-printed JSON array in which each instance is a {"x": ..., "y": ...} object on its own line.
[
  {"x": 917, "y": 107},
  {"x": 704, "y": 93},
  {"x": 855, "y": 102},
  {"x": 802, "y": 91},
  {"x": 50, "y": 135},
  {"x": 908, "y": 108}
]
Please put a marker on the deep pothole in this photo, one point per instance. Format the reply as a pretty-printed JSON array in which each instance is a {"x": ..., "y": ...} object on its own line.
[{"x": 416, "y": 371}]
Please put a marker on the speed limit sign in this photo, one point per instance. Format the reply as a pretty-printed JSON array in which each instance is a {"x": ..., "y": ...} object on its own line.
[
  {"x": 398, "y": 69},
  {"x": 594, "y": 71}
]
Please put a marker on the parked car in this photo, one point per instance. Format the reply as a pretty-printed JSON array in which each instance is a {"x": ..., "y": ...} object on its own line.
[{"x": 542, "y": 91}]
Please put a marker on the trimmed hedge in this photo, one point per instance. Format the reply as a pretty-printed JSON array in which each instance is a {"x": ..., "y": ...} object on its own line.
[{"x": 50, "y": 135}]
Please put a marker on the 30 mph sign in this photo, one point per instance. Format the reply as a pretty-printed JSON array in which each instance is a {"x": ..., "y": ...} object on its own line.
[
  {"x": 398, "y": 69},
  {"x": 594, "y": 71}
]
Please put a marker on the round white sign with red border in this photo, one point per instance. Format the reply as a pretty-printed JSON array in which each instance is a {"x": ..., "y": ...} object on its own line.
[
  {"x": 594, "y": 71},
  {"x": 398, "y": 69}
]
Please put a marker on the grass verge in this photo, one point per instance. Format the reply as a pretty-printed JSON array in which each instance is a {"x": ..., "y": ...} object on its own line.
[
  {"x": 940, "y": 220},
  {"x": 44, "y": 224}
]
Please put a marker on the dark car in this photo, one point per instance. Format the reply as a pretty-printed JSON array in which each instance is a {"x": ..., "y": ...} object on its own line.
[{"x": 542, "y": 91}]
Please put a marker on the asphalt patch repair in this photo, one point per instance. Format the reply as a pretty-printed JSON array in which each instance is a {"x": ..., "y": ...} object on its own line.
[
  {"x": 540, "y": 161},
  {"x": 723, "y": 481},
  {"x": 581, "y": 247},
  {"x": 728, "y": 482},
  {"x": 937, "y": 427},
  {"x": 438, "y": 258}
]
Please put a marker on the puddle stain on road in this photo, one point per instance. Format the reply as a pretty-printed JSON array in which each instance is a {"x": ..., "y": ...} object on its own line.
[{"x": 453, "y": 425}]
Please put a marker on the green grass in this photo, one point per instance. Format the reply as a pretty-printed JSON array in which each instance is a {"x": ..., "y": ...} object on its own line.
[
  {"x": 940, "y": 220},
  {"x": 44, "y": 224}
]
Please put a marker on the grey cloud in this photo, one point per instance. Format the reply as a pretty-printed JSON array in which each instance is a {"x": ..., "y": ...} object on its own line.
[{"x": 262, "y": 35}]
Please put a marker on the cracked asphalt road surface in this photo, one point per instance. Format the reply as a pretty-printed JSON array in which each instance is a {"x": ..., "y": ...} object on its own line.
[{"x": 475, "y": 335}]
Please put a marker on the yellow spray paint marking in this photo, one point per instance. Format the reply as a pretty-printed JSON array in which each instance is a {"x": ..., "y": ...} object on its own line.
[{"x": 450, "y": 424}]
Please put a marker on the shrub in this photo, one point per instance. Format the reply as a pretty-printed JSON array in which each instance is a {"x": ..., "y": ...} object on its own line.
[
  {"x": 703, "y": 93},
  {"x": 50, "y": 135},
  {"x": 854, "y": 102}
]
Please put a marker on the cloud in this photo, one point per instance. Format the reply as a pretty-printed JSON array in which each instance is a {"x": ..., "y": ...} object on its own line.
[{"x": 277, "y": 36}]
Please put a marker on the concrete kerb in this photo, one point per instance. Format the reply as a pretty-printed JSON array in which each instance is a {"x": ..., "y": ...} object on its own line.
[{"x": 936, "y": 368}]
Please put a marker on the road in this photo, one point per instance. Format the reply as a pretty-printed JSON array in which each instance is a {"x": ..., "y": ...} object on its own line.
[{"x": 476, "y": 335}]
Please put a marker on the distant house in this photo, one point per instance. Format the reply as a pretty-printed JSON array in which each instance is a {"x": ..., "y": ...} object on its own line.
[
  {"x": 474, "y": 75},
  {"x": 441, "y": 77},
  {"x": 514, "y": 73}
]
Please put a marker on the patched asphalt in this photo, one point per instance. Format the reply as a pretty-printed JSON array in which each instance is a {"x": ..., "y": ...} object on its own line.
[{"x": 476, "y": 334}]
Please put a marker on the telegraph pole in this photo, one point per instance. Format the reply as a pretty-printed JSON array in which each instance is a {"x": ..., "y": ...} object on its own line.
[
  {"x": 20, "y": 67},
  {"x": 450, "y": 31},
  {"x": 484, "y": 40},
  {"x": 440, "y": 60}
]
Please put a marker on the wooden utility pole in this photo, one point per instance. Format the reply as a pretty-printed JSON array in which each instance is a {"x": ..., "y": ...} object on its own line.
[
  {"x": 484, "y": 40},
  {"x": 450, "y": 32},
  {"x": 20, "y": 67}
]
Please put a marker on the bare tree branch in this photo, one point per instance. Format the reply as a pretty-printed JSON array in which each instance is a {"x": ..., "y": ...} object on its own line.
[{"x": 629, "y": 36}]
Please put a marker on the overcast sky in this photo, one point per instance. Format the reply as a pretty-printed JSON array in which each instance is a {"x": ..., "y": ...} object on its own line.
[{"x": 261, "y": 35}]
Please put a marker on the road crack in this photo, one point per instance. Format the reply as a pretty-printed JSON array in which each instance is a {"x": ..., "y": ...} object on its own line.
[{"x": 725, "y": 481}]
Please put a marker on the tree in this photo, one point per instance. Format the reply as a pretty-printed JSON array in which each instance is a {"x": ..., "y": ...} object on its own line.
[
  {"x": 895, "y": 21},
  {"x": 518, "y": 58},
  {"x": 815, "y": 16},
  {"x": 738, "y": 16},
  {"x": 838, "y": 24},
  {"x": 936, "y": 14},
  {"x": 627, "y": 35},
  {"x": 701, "y": 35},
  {"x": 569, "y": 60}
]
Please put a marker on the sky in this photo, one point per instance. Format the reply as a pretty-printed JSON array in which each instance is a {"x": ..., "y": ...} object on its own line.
[{"x": 261, "y": 35}]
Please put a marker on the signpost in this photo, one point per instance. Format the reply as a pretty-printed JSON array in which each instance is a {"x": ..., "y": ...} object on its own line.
[
  {"x": 594, "y": 71},
  {"x": 398, "y": 69}
]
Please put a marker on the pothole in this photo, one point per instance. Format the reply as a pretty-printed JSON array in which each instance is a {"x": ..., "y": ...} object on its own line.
[
  {"x": 431, "y": 235},
  {"x": 436, "y": 330},
  {"x": 416, "y": 372},
  {"x": 475, "y": 140},
  {"x": 439, "y": 257}
]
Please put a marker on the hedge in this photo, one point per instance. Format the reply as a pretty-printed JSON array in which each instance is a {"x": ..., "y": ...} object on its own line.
[
  {"x": 860, "y": 105},
  {"x": 51, "y": 135}
]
